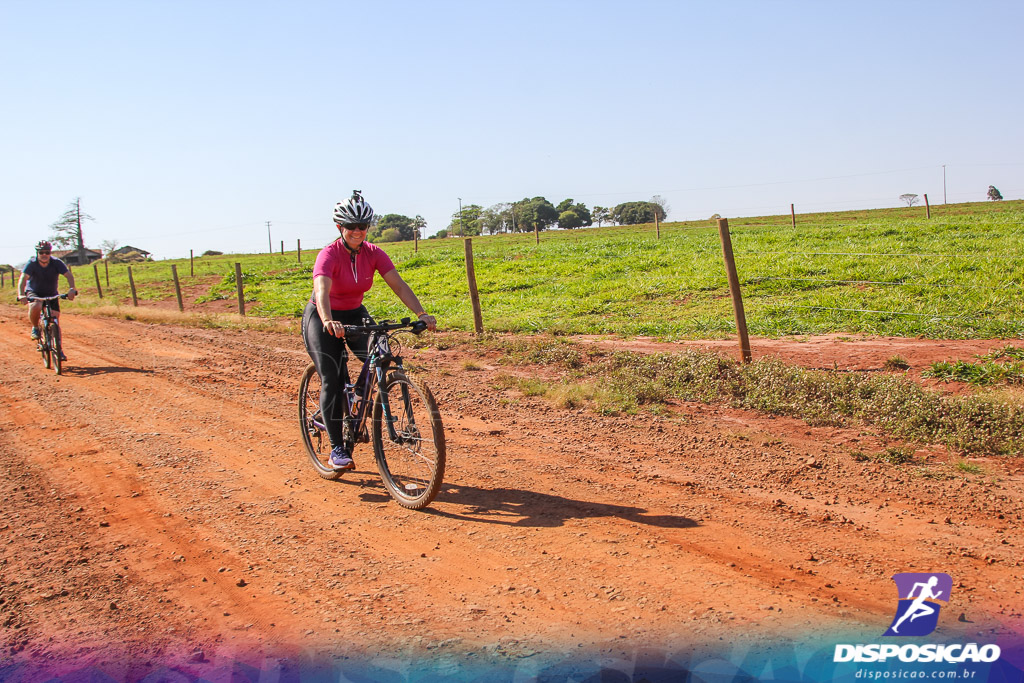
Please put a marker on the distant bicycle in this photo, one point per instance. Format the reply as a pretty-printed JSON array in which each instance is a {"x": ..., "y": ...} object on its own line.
[
  {"x": 49, "y": 340},
  {"x": 408, "y": 437}
]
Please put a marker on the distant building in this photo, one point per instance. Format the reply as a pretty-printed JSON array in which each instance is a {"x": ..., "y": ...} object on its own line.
[
  {"x": 70, "y": 256},
  {"x": 130, "y": 253}
]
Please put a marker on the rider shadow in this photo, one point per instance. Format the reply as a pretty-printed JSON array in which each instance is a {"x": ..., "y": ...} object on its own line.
[
  {"x": 516, "y": 507},
  {"x": 88, "y": 371}
]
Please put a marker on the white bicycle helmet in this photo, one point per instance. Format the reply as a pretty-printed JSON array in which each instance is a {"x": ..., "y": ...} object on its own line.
[{"x": 355, "y": 210}]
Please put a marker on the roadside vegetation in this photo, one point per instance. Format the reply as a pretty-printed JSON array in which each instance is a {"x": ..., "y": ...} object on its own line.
[{"x": 622, "y": 381}]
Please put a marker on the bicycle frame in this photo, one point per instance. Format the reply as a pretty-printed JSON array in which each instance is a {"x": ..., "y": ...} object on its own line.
[{"x": 379, "y": 359}]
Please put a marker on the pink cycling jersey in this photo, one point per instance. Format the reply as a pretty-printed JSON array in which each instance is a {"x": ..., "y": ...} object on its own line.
[{"x": 350, "y": 281}]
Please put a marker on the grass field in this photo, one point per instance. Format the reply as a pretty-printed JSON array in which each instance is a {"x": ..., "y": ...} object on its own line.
[{"x": 895, "y": 272}]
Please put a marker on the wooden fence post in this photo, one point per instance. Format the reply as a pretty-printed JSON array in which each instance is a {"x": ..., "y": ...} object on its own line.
[
  {"x": 734, "y": 288},
  {"x": 131, "y": 283},
  {"x": 106, "y": 271},
  {"x": 191, "y": 265},
  {"x": 792, "y": 212},
  {"x": 238, "y": 285},
  {"x": 536, "y": 232},
  {"x": 657, "y": 225},
  {"x": 927, "y": 206},
  {"x": 474, "y": 296},
  {"x": 298, "y": 250},
  {"x": 282, "y": 247},
  {"x": 177, "y": 287},
  {"x": 96, "y": 272},
  {"x": 3, "y": 276}
]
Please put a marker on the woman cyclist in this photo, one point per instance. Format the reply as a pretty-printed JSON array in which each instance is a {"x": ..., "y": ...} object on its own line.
[{"x": 342, "y": 274}]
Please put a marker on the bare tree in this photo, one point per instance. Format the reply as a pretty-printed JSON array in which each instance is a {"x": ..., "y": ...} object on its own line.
[
  {"x": 67, "y": 230},
  {"x": 108, "y": 247},
  {"x": 910, "y": 199}
]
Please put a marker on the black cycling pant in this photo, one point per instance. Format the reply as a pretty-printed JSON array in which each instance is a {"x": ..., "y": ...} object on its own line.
[{"x": 330, "y": 357}]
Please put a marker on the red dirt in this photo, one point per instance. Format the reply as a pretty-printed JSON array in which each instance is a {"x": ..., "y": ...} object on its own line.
[{"x": 157, "y": 497}]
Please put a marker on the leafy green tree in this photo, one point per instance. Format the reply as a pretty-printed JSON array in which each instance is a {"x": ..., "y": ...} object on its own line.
[
  {"x": 994, "y": 194},
  {"x": 634, "y": 213},
  {"x": 569, "y": 220},
  {"x": 440, "y": 234},
  {"x": 67, "y": 230},
  {"x": 403, "y": 225},
  {"x": 390, "y": 235},
  {"x": 578, "y": 208},
  {"x": 466, "y": 224},
  {"x": 600, "y": 215},
  {"x": 537, "y": 213}
]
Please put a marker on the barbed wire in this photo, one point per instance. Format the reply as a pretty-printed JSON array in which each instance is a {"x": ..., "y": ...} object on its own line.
[{"x": 769, "y": 278}]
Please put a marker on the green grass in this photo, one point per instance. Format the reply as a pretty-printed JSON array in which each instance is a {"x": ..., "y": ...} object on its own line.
[
  {"x": 988, "y": 372},
  {"x": 957, "y": 275},
  {"x": 629, "y": 382}
]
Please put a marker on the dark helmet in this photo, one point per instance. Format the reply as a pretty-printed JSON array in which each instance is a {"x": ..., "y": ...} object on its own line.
[
  {"x": 355, "y": 210},
  {"x": 43, "y": 245}
]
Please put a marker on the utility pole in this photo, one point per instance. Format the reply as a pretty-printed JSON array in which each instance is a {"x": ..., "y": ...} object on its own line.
[
  {"x": 270, "y": 245},
  {"x": 462, "y": 230},
  {"x": 943, "y": 183}
]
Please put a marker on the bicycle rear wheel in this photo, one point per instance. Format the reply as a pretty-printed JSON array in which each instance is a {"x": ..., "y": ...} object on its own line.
[
  {"x": 45, "y": 346},
  {"x": 53, "y": 339},
  {"x": 408, "y": 441},
  {"x": 314, "y": 431}
]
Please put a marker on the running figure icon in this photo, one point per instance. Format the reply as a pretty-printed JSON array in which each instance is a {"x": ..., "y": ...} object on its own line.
[
  {"x": 918, "y": 611},
  {"x": 918, "y": 608}
]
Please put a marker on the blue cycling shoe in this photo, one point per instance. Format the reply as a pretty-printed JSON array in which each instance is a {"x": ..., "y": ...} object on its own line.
[{"x": 340, "y": 460}]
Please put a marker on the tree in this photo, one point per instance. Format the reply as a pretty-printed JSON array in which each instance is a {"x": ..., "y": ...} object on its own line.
[
  {"x": 600, "y": 215},
  {"x": 67, "y": 230},
  {"x": 634, "y": 213},
  {"x": 497, "y": 218},
  {"x": 109, "y": 246},
  {"x": 403, "y": 225},
  {"x": 994, "y": 194},
  {"x": 910, "y": 199},
  {"x": 662, "y": 205},
  {"x": 419, "y": 224},
  {"x": 467, "y": 223},
  {"x": 569, "y": 220},
  {"x": 536, "y": 213}
]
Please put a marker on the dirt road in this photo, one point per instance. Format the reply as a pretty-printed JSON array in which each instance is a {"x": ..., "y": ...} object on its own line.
[{"x": 157, "y": 507}]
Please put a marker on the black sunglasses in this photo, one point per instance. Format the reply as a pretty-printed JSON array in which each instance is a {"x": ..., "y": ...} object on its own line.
[
  {"x": 43, "y": 252},
  {"x": 359, "y": 227}
]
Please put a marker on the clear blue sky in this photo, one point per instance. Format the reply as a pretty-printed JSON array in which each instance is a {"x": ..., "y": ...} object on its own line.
[{"x": 189, "y": 124}]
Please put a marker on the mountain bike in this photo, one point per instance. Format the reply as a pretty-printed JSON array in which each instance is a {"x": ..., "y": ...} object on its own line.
[
  {"x": 405, "y": 424},
  {"x": 49, "y": 341}
]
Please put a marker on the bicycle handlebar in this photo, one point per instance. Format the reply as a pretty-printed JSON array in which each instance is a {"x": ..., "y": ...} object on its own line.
[
  {"x": 387, "y": 326},
  {"x": 44, "y": 298}
]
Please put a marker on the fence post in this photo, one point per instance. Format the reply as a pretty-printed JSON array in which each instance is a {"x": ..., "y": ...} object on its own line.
[
  {"x": 191, "y": 265},
  {"x": 474, "y": 296},
  {"x": 106, "y": 271},
  {"x": 298, "y": 250},
  {"x": 96, "y": 272},
  {"x": 657, "y": 224},
  {"x": 536, "y": 232},
  {"x": 131, "y": 283},
  {"x": 734, "y": 288},
  {"x": 238, "y": 284},
  {"x": 282, "y": 247},
  {"x": 3, "y": 276},
  {"x": 792, "y": 212},
  {"x": 927, "y": 206},
  {"x": 177, "y": 287}
]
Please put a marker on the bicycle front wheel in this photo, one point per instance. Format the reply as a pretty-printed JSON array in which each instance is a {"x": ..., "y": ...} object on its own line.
[
  {"x": 45, "y": 345},
  {"x": 311, "y": 421},
  {"x": 53, "y": 337},
  {"x": 408, "y": 440}
]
